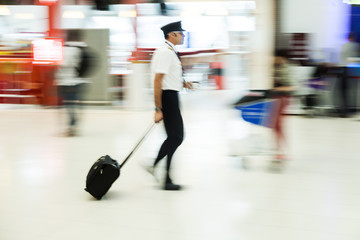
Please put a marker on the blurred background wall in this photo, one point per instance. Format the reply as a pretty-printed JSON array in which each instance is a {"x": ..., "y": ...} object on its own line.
[
  {"x": 228, "y": 44},
  {"x": 327, "y": 23}
]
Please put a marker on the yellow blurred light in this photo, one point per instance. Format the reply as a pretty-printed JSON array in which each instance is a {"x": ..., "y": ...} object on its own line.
[
  {"x": 4, "y": 11},
  {"x": 355, "y": 2},
  {"x": 73, "y": 14},
  {"x": 24, "y": 16},
  {"x": 130, "y": 13}
]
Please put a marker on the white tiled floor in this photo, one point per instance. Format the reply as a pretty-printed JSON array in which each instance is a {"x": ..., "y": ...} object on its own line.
[{"x": 315, "y": 196}]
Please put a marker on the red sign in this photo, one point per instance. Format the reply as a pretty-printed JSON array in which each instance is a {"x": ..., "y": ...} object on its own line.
[
  {"x": 47, "y": 50},
  {"x": 47, "y": 2}
]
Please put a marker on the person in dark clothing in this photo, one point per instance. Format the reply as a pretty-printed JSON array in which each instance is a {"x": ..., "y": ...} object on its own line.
[{"x": 348, "y": 50}]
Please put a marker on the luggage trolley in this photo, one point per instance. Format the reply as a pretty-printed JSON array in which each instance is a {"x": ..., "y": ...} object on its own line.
[{"x": 257, "y": 108}]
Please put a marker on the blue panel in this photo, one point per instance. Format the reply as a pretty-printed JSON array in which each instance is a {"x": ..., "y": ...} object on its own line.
[
  {"x": 261, "y": 113},
  {"x": 355, "y": 21}
]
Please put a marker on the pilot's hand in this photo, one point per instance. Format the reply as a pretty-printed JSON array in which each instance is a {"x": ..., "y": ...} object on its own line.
[{"x": 158, "y": 116}]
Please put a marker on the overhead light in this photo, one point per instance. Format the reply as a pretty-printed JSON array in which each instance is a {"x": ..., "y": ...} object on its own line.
[
  {"x": 191, "y": 12},
  {"x": 24, "y": 16},
  {"x": 4, "y": 11},
  {"x": 217, "y": 12},
  {"x": 130, "y": 13},
  {"x": 73, "y": 14},
  {"x": 351, "y": 1}
]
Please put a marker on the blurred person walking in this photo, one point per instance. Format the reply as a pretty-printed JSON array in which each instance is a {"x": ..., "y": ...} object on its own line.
[
  {"x": 348, "y": 50},
  {"x": 281, "y": 91},
  {"x": 166, "y": 72},
  {"x": 70, "y": 80}
]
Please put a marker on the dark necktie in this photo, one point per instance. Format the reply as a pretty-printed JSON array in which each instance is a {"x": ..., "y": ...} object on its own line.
[{"x": 178, "y": 55}]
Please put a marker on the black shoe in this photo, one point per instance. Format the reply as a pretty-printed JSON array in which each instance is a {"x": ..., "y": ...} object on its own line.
[{"x": 172, "y": 187}]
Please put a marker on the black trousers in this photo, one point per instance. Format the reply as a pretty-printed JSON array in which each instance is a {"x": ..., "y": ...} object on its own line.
[
  {"x": 344, "y": 92},
  {"x": 174, "y": 127}
]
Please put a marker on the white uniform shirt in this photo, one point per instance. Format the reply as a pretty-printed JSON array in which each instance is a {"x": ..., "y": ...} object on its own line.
[
  {"x": 166, "y": 61},
  {"x": 67, "y": 74}
]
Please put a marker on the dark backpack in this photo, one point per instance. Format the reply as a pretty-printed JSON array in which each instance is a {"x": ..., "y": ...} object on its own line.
[{"x": 87, "y": 62}]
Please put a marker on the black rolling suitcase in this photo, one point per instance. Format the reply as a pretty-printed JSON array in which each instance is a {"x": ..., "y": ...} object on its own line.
[
  {"x": 101, "y": 176},
  {"x": 105, "y": 171}
]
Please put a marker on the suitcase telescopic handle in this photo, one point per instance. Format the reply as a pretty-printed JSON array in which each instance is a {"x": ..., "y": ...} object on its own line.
[{"x": 138, "y": 144}]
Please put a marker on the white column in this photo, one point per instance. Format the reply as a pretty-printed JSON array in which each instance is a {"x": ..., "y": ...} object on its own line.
[
  {"x": 262, "y": 46},
  {"x": 136, "y": 86}
]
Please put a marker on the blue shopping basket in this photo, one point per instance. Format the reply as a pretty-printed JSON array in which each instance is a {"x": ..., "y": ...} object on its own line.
[{"x": 259, "y": 110}]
